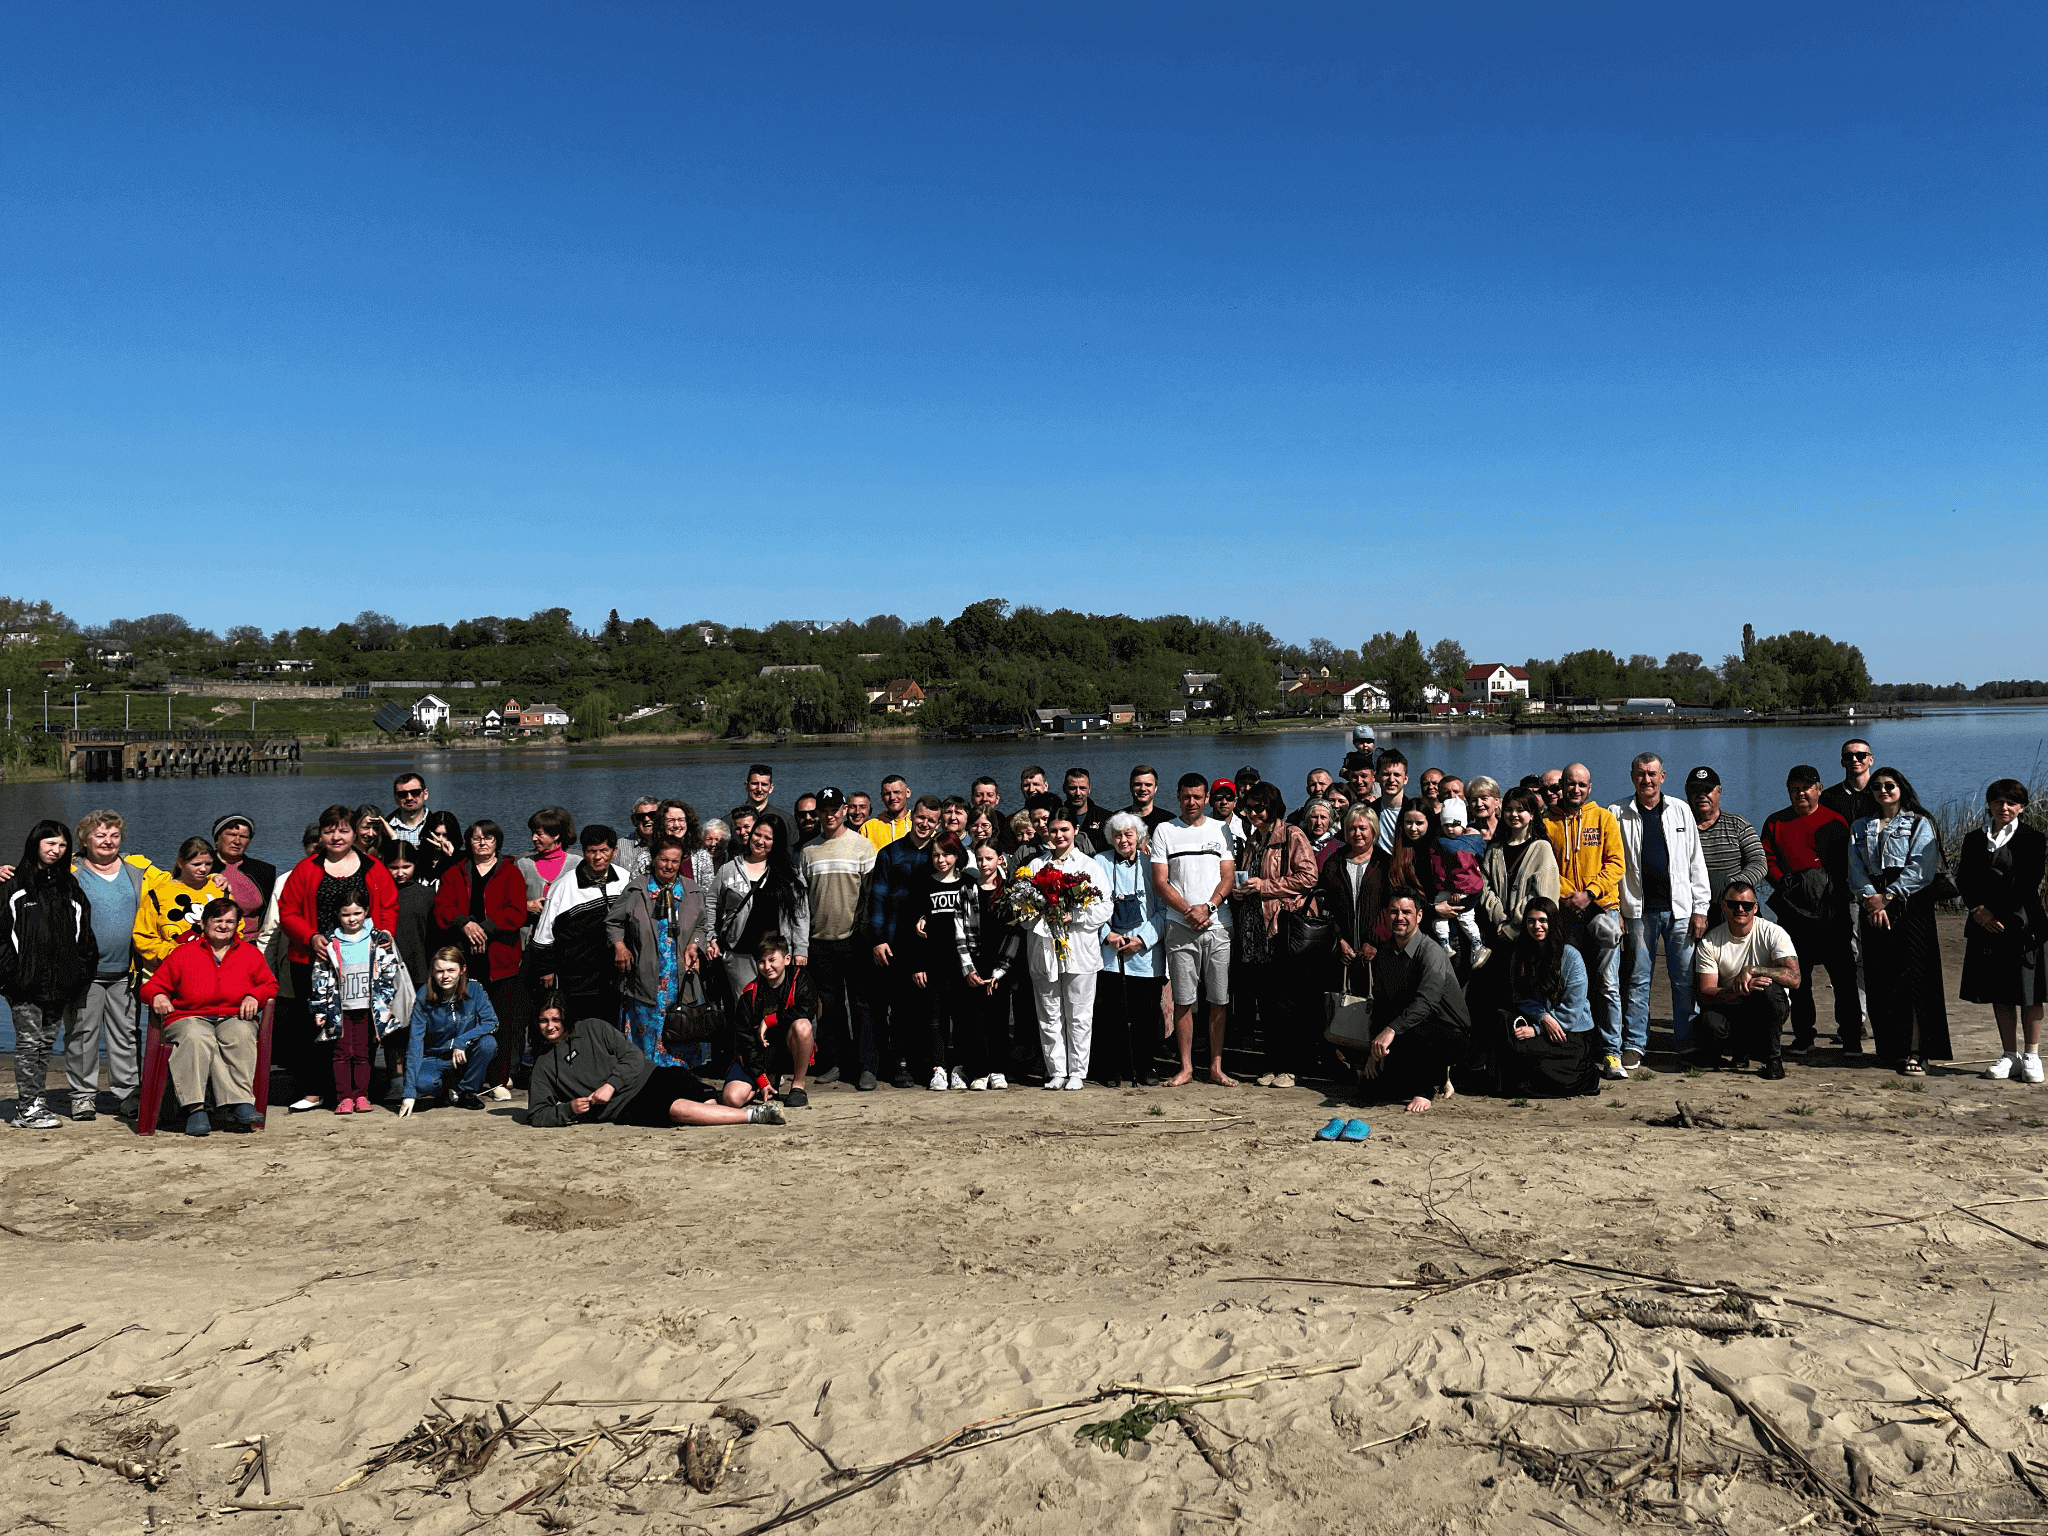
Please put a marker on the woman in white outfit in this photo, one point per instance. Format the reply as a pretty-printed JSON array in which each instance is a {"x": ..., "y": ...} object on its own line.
[{"x": 1065, "y": 987}]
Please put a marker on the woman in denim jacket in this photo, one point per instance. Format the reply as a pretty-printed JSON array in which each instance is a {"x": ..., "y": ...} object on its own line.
[
  {"x": 1127, "y": 1016},
  {"x": 1894, "y": 857}
]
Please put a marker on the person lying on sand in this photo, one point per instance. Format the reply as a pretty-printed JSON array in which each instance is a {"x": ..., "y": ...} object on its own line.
[{"x": 591, "y": 1072}]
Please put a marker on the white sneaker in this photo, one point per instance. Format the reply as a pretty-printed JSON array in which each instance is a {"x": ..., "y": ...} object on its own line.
[
  {"x": 955, "y": 1081},
  {"x": 938, "y": 1082},
  {"x": 1076, "y": 1083},
  {"x": 501, "y": 1093},
  {"x": 979, "y": 1085},
  {"x": 2030, "y": 1067},
  {"x": 2001, "y": 1069},
  {"x": 1055, "y": 1084},
  {"x": 301, "y": 1105},
  {"x": 997, "y": 1083}
]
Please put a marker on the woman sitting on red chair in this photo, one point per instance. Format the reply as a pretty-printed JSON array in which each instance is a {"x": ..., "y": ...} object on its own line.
[{"x": 210, "y": 993}]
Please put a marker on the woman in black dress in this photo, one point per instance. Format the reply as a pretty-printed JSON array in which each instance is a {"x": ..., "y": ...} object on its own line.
[{"x": 2005, "y": 947}]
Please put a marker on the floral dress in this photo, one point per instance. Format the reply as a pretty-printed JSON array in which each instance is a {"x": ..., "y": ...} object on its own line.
[{"x": 643, "y": 1020}]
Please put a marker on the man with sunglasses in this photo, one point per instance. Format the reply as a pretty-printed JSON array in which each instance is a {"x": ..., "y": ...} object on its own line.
[
  {"x": 635, "y": 855},
  {"x": 1746, "y": 970},
  {"x": 1586, "y": 838},
  {"x": 410, "y": 791},
  {"x": 1852, "y": 800},
  {"x": 1806, "y": 855}
]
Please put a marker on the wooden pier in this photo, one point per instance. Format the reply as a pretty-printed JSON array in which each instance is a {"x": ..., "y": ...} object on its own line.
[{"x": 107, "y": 756}]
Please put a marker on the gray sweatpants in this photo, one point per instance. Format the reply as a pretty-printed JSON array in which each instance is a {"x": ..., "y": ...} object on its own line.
[
  {"x": 35, "y": 1024},
  {"x": 107, "y": 1010}
]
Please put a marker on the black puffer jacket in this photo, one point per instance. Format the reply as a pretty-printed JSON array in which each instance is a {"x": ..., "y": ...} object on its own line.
[{"x": 48, "y": 955}]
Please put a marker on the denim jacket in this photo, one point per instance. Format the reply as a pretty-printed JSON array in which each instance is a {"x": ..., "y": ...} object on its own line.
[
  {"x": 441, "y": 1028},
  {"x": 1906, "y": 843},
  {"x": 1128, "y": 883}
]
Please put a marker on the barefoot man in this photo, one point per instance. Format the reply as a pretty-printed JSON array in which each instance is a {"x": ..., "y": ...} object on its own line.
[
  {"x": 1419, "y": 1007},
  {"x": 1193, "y": 870}
]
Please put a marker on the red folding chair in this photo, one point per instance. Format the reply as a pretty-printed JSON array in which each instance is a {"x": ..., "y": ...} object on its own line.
[{"x": 156, "y": 1070}]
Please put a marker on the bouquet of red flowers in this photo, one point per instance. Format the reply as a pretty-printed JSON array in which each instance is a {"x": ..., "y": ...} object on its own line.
[{"x": 1051, "y": 893}]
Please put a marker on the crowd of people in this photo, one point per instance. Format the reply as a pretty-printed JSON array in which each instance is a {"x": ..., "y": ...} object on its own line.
[{"x": 683, "y": 971}]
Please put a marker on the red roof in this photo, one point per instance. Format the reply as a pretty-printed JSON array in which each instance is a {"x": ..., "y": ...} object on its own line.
[{"x": 1485, "y": 669}]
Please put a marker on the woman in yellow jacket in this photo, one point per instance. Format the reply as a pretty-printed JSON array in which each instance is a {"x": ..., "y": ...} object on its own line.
[{"x": 172, "y": 901}]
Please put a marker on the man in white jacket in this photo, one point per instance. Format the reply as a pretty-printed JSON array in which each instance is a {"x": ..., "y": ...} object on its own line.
[
  {"x": 1664, "y": 896},
  {"x": 1065, "y": 986}
]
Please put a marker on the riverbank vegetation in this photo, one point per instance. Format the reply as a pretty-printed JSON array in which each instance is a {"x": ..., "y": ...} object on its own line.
[{"x": 992, "y": 664}]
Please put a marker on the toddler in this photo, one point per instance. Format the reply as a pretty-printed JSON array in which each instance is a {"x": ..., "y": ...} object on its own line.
[{"x": 1454, "y": 871}]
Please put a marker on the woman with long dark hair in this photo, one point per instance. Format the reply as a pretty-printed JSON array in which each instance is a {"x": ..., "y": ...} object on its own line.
[
  {"x": 1550, "y": 1022},
  {"x": 1894, "y": 857},
  {"x": 2005, "y": 948},
  {"x": 308, "y": 909},
  {"x": 756, "y": 893},
  {"x": 48, "y": 958}
]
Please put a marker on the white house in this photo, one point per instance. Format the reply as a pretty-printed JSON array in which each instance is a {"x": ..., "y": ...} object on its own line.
[
  {"x": 1493, "y": 681},
  {"x": 430, "y": 712}
]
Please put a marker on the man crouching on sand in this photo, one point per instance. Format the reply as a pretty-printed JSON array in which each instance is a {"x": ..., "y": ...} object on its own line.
[{"x": 592, "y": 1072}]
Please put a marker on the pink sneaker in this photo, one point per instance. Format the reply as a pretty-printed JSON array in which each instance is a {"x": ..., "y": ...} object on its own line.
[
  {"x": 362, "y": 1106},
  {"x": 345, "y": 1107}
]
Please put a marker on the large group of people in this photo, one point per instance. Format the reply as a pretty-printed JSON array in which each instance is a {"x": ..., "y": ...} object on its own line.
[{"x": 689, "y": 971}]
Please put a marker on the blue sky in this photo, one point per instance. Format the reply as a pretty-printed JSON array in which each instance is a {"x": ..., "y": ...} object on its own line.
[{"x": 1541, "y": 327}]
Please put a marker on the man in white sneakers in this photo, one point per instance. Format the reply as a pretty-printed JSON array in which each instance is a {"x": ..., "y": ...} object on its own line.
[
  {"x": 1665, "y": 898},
  {"x": 1194, "y": 866}
]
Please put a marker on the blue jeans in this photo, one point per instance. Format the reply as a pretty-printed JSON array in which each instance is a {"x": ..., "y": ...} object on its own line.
[
  {"x": 1597, "y": 938},
  {"x": 475, "y": 1070},
  {"x": 1643, "y": 935}
]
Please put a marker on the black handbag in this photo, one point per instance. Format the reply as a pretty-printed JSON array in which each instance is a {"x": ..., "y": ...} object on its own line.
[
  {"x": 692, "y": 1018},
  {"x": 1307, "y": 931}
]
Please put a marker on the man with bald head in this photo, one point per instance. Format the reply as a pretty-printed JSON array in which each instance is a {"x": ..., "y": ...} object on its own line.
[{"x": 1590, "y": 865}]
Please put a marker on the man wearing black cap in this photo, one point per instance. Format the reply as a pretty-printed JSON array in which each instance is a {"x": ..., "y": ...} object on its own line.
[
  {"x": 834, "y": 865},
  {"x": 249, "y": 881},
  {"x": 1730, "y": 845}
]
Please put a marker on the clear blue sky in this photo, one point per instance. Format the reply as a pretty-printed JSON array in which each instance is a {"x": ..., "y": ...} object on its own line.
[{"x": 1539, "y": 326}]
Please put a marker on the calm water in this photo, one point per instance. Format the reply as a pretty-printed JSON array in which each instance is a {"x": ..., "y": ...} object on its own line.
[{"x": 1947, "y": 755}]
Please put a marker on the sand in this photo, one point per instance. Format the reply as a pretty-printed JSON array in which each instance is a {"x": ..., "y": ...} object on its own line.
[{"x": 897, "y": 1265}]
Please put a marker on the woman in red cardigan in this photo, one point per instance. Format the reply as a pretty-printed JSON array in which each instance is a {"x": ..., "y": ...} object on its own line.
[
  {"x": 307, "y": 910},
  {"x": 481, "y": 905},
  {"x": 210, "y": 991}
]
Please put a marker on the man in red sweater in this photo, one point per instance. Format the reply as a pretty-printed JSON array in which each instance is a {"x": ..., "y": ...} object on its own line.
[{"x": 1806, "y": 853}]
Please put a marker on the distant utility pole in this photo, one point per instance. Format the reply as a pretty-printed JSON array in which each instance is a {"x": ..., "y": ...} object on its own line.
[
  {"x": 46, "y": 711},
  {"x": 74, "y": 726},
  {"x": 252, "y": 732},
  {"x": 128, "y": 714}
]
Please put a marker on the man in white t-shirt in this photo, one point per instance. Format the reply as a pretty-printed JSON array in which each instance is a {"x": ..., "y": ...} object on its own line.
[
  {"x": 1193, "y": 869},
  {"x": 1746, "y": 971}
]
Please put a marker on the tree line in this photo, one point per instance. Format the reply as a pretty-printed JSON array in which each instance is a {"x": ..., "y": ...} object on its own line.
[{"x": 993, "y": 663}]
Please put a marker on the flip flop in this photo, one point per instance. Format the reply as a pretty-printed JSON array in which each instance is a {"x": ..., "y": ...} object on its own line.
[
  {"x": 1332, "y": 1131},
  {"x": 1354, "y": 1130}
]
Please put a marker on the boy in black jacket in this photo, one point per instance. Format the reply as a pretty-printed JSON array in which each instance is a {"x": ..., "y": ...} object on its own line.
[{"x": 779, "y": 998}]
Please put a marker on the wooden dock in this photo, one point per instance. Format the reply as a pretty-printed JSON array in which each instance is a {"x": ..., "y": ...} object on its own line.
[{"x": 108, "y": 756}]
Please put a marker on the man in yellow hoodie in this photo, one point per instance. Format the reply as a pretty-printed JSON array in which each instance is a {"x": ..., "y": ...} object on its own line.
[{"x": 1590, "y": 863}]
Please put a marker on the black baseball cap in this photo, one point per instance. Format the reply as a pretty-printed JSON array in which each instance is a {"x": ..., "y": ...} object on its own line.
[
  {"x": 830, "y": 799},
  {"x": 1700, "y": 780}
]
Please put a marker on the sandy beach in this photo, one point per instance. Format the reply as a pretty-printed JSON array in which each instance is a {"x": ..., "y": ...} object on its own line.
[{"x": 896, "y": 1266}]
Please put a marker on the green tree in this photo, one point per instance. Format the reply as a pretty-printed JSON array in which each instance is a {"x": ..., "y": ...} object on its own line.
[
  {"x": 1818, "y": 673},
  {"x": 1397, "y": 664},
  {"x": 1244, "y": 686},
  {"x": 590, "y": 719},
  {"x": 1447, "y": 659}
]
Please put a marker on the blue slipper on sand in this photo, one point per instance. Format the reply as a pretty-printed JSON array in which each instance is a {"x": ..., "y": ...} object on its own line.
[
  {"x": 1354, "y": 1130},
  {"x": 1331, "y": 1131}
]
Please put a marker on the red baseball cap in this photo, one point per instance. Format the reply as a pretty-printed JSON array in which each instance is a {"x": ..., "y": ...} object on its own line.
[{"x": 1222, "y": 784}]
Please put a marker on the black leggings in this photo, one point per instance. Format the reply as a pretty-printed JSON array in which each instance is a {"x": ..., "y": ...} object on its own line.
[
  {"x": 1126, "y": 1025},
  {"x": 663, "y": 1087}
]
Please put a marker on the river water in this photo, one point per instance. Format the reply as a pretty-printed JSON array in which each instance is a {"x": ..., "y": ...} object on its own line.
[{"x": 1947, "y": 754}]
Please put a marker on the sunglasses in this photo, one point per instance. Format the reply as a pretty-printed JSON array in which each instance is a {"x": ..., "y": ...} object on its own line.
[
  {"x": 412, "y": 794},
  {"x": 1885, "y": 787},
  {"x": 1855, "y": 757},
  {"x": 1737, "y": 906},
  {"x": 643, "y": 815}
]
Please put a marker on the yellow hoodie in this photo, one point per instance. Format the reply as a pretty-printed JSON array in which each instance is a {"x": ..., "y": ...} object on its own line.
[
  {"x": 169, "y": 910},
  {"x": 1589, "y": 856}
]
